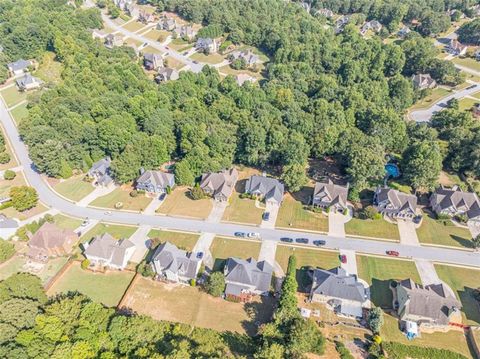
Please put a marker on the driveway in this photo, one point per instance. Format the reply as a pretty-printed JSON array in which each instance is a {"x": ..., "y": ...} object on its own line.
[
  {"x": 427, "y": 272},
  {"x": 140, "y": 238},
  {"x": 203, "y": 245},
  {"x": 336, "y": 224},
  {"x": 267, "y": 252},
  {"x": 408, "y": 234},
  {"x": 217, "y": 212},
  {"x": 351, "y": 265},
  {"x": 81, "y": 230},
  {"x": 273, "y": 210},
  {"x": 153, "y": 205},
  {"x": 474, "y": 229},
  {"x": 99, "y": 191}
]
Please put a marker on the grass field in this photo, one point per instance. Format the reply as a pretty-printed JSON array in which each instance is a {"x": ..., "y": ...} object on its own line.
[
  {"x": 133, "y": 26},
  {"x": 209, "y": 59},
  {"x": 377, "y": 228},
  {"x": 467, "y": 62},
  {"x": 12, "y": 96},
  {"x": 242, "y": 210},
  {"x": 20, "y": 113},
  {"x": 12, "y": 213},
  {"x": 179, "y": 203},
  {"x": 16, "y": 264},
  {"x": 67, "y": 222},
  {"x": 5, "y": 185},
  {"x": 435, "y": 232},
  {"x": 191, "y": 306},
  {"x": 74, "y": 188},
  {"x": 379, "y": 272},
  {"x": 428, "y": 101},
  {"x": 292, "y": 214},
  {"x": 138, "y": 203},
  {"x": 173, "y": 63},
  {"x": 180, "y": 239},
  {"x": 463, "y": 281},
  {"x": 115, "y": 230},
  {"x": 223, "y": 248},
  {"x": 157, "y": 35},
  {"x": 178, "y": 44},
  {"x": 49, "y": 69},
  {"x": 107, "y": 289},
  {"x": 476, "y": 95}
]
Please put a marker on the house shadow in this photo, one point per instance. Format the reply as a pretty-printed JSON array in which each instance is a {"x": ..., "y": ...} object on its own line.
[
  {"x": 462, "y": 241},
  {"x": 380, "y": 293},
  {"x": 258, "y": 312},
  {"x": 240, "y": 185},
  {"x": 303, "y": 196},
  {"x": 219, "y": 264},
  {"x": 471, "y": 307},
  {"x": 304, "y": 279}
]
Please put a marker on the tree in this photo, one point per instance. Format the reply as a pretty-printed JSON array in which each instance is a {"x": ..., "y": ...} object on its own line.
[
  {"x": 7, "y": 250},
  {"x": 4, "y": 157},
  {"x": 304, "y": 337},
  {"x": 287, "y": 305},
  {"x": 9, "y": 175},
  {"x": 476, "y": 242},
  {"x": 294, "y": 176},
  {"x": 375, "y": 319},
  {"x": 23, "y": 198},
  {"x": 215, "y": 284},
  {"x": 183, "y": 173},
  {"x": 197, "y": 193},
  {"x": 469, "y": 33},
  {"x": 422, "y": 164}
]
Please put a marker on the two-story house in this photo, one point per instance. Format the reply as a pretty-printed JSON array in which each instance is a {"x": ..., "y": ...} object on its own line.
[{"x": 395, "y": 204}]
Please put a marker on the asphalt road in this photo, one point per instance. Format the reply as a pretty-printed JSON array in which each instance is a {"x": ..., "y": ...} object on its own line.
[{"x": 53, "y": 200}]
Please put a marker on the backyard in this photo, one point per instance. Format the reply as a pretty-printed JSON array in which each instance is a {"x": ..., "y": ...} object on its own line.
[
  {"x": 12, "y": 96},
  {"x": 122, "y": 195},
  {"x": 180, "y": 239},
  {"x": 466, "y": 104},
  {"x": 379, "y": 272},
  {"x": 74, "y": 188},
  {"x": 16, "y": 264},
  {"x": 106, "y": 288},
  {"x": 435, "y": 232},
  {"x": 179, "y": 203},
  {"x": 223, "y": 248},
  {"x": 375, "y": 228}
]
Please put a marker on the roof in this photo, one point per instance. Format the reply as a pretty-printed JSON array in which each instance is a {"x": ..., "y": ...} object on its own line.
[
  {"x": 50, "y": 236},
  {"x": 178, "y": 261},
  {"x": 454, "y": 197},
  {"x": 220, "y": 183},
  {"x": 330, "y": 192},
  {"x": 101, "y": 166},
  {"x": 249, "y": 273},
  {"x": 152, "y": 57},
  {"x": 337, "y": 283},
  {"x": 204, "y": 42},
  {"x": 156, "y": 178},
  {"x": 19, "y": 65},
  {"x": 420, "y": 80},
  {"x": 242, "y": 78},
  {"x": 6, "y": 222},
  {"x": 26, "y": 80},
  {"x": 167, "y": 72},
  {"x": 269, "y": 187},
  {"x": 109, "y": 249},
  {"x": 399, "y": 200},
  {"x": 432, "y": 301},
  {"x": 456, "y": 45},
  {"x": 248, "y": 55}
]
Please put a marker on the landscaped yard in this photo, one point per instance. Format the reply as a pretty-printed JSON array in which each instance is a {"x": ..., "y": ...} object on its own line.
[
  {"x": 376, "y": 228},
  {"x": 178, "y": 44},
  {"x": 179, "y": 203},
  {"x": 115, "y": 230},
  {"x": 120, "y": 195},
  {"x": 463, "y": 281},
  {"x": 103, "y": 288},
  {"x": 293, "y": 214},
  {"x": 74, "y": 188},
  {"x": 67, "y": 222},
  {"x": 16, "y": 264},
  {"x": 12, "y": 162},
  {"x": 133, "y": 26},
  {"x": 467, "y": 62},
  {"x": 223, "y": 248},
  {"x": 5, "y": 185},
  {"x": 428, "y": 101},
  {"x": 213, "y": 58},
  {"x": 12, "y": 96},
  {"x": 151, "y": 50},
  {"x": 180, "y": 239},
  {"x": 19, "y": 113},
  {"x": 173, "y": 63},
  {"x": 379, "y": 272},
  {"x": 12, "y": 213},
  {"x": 477, "y": 94},
  {"x": 194, "y": 307},
  {"x": 435, "y": 232},
  {"x": 242, "y": 210}
]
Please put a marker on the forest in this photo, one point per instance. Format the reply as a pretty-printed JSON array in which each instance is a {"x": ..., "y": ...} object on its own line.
[{"x": 323, "y": 94}]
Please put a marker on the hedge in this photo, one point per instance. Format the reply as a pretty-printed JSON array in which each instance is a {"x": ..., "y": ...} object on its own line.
[{"x": 402, "y": 351}]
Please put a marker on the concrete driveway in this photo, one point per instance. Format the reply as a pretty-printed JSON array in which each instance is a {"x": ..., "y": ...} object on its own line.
[
  {"x": 273, "y": 210},
  {"x": 153, "y": 205},
  {"x": 203, "y": 245},
  {"x": 351, "y": 265},
  {"x": 408, "y": 234},
  {"x": 336, "y": 223},
  {"x": 140, "y": 238},
  {"x": 99, "y": 191},
  {"x": 217, "y": 212}
]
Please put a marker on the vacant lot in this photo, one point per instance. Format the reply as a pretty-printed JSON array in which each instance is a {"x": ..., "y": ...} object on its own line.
[
  {"x": 428, "y": 101},
  {"x": 376, "y": 228},
  {"x": 105, "y": 288},
  {"x": 116, "y": 231},
  {"x": 180, "y": 239},
  {"x": 223, "y": 248},
  {"x": 74, "y": 188},
  {"x": 242, "y": 210},
  {"x": 179, "y": 203},
  {"x": 463, "y": 281},
  {"x": 12, "y": 96},
  {"x": 435, "y": 232},
  {"x": 20, "y": 113},
  {"x": 191, "y": 306},
  {"x": 49, "y": 69},
  {"x": 17, "y": 264},
  {"x": 379, "y": 272},
  {"x": 121, "y": 195},
  {"x": 293, "y": 214}
]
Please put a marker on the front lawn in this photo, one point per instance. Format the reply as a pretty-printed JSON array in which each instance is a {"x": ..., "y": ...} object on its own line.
[
  {"x": 12, "y": 96},
  {"x": 182, "y": 240},
  {"x": 463, "y": 281},
  {"x": 115, "y": 230},
  {"x": 293, "y": 214},
  {"x": 467, "y": 62},
  {"x": 379, "y": 272},
  {"x": 179, "y": 203},
  {"x": 67, "y": 222},
  {"x": 466, "y": 104},
  {"x": 107, "y": 288},
  {"x": 223, "y": 248},
  {"x": 435, "y": 232},
  {"x": 120, "y": 195},
  {"x": 431, "y": 99},
  {"x": 157, "y": 35},
  {"x": 12, "y": 213},
  {"x": 74, "y": 188},
  {"x": 19, "y": 113},
  {"x": 375, "y": 228},
  {"x": 173, "y": 63},
  {"x": 213, "y": 58},
  {"x": 133, "y": 26},
  {"x": 242, "y": 210}
]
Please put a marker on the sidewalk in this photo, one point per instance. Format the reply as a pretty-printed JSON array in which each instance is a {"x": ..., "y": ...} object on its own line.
[{"x": 97, "y": 192}]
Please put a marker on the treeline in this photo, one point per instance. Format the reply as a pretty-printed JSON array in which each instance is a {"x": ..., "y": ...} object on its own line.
[{"x": 469, "y": 33}]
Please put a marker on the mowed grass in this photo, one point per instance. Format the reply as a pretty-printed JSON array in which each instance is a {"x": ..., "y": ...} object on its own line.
[
  {"x": 19, "y": 113},
  {"x": 242, "y": 210},
  {"x": 430, "y": 100},
  {"x": 379, "y": 272},
  {"x": 157, "y": 35},
  {"x": 213, "y": 58},
  {"x": 467, "y": 62},
  {"x": 133, "y": 26},
  {"x": 173, "y": 63},
  {"x": 182, "y": 240},
  {"x": 375, "y": 228},
  {"x": 466, "y": 104},
  {"x": 223, "y": 248},
  {"x": 179, "y": 203},
  {"x": 17, "y": 263},
  {"x": 67, "y": 222},
  {"x": 435, "y": 232},
  {"x": 106, "y": 288},
  {"x": 12, "y": 213},
  {"x": 74, "y": 188},
  {"x": 115, "y": 230},
  {"x": 120, "y": 195},
  {"x": 463, "y": 281},
  {"x": 194, "y": 307},
  {"x": 293, "y": 214},
  {"x": 12, "y": 96},
  {"x": 5, "y": 185}
]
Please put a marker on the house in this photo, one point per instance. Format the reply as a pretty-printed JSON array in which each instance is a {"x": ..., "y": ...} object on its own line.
[
  {"x": 123, "y": 4},
  {"x": 373, "y": 25},
  {"x": 132, "y": 10},
  {"x": 152, "y": 61},
  {"x": 219, "y": 185},
  {"x": 246, "y": 278},
  {"x": 341, "y": 23},
  {"x": 395, "y": 204},
  {"x": 155, "y": 181},
  {"x": 145, "y": 17},
  {"x": 340, "y": 291},
  {"x": 106, "y": 251},
  {"x": 242, "y": 78},
  {"x": 166, "y": 74},
  {"x": 456, "y": 48},
  {"x": 453, "y": 202},
  {"x": 167, "y": 23},
  {"x": 432, "y": 306},
  {"x": 403, "y": 32},
  {"x": 8, "y": 227},
  {"x": 248, "y": 56},
  {"x": 28, "y": 82},
  {"x": 185, "y": 32},
  {"x": 112, "y": 41},
  {"x": 266, "y": 188},
  {"x": 423, "y": 82},
  {"x": 101, "y": 172},
  {"x": 325, "y": 12},
  {"x": 19, "y": 67},
  {"x": 330, "y": 195},
  {"x": 50, "y": 241},
  {"x": 476, "y": 110},
  {"x": 206, "y": 45},
  {"x": 175, "y": 265}
]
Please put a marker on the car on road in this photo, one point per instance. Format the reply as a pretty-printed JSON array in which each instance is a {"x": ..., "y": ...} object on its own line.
[
  {"x": 167, "y": 47},
  {"x": 319, "y": 242},
  {"x": 302, "y": 240},
  {"x": 185, "y": 53},
  {"x": 199, "y": 255},
  {"x": 286, "y": 239},
  {"x": 195, "y": 62},
  {"x": 343, "y": 258},
  {"x": 145, "y": 44},
  {"x": 471, "y": 87},
  {"x": 240, "y": 234},
  {"x": 108, "y": 213},
  {"x": 266, "y": 216},
  {"x": 392, "y": 253},
  {"x": 253, "y": 235}
]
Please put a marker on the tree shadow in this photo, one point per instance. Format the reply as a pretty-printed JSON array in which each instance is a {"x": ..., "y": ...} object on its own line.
[
  {"x": 380, "y": 293},
  {"x": 462, "y": 241},
  {"x": 470, "y": 306},
  {"x": 258, "y": 312},
  {"x": 239, "y": 344}
]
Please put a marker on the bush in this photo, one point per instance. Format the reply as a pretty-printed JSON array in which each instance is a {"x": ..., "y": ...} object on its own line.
[
  {"x": 193, "y": 282},
  {"x": 134, "y": 193},
  {"x": 168, "y": 190},
  {"x": 197, "y": 193},
  {"x": 462, "y": 218},
  {"x": 145, "y": 270},
  {"x": 85, "y": 263},
  {"x": 4, "y": 158},
  {"x": 23, "y": 198},
  {"x": 402, "y": 351},
  {"x": 371, "y": 212},
  {"x": 7, "y": 250},
  {"x": 9, "y": 175},
  {"x": 118, "y": 205},
  {"x": 375, "y": 319},
  {"x": 215, "y": 284},
  {"x": 443, "y": 217},
  {"x": 343, "y": 351}
]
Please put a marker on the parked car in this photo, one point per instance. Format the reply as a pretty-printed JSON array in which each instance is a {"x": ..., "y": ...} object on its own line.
[
  {"x": 343, "y": 258},
  {"x": 286, "y": 239},
  {"x": 195, "y": 61},
  {"x": 302, "y": 240},
  {"x": 266, "y": 216},
  {"x": 162, "y": 196},
  {"x": 185, "y": 53},
  {"x": 108, "y": 213},
  {"x": 319, "y": 242},
  {"x": 253, "y": 235},
  {"x": 85, "y": 222},
  {"x": 240, "y": 234},
  {"x": 199, "y": 255},
  {"x": 392, "y": 253}
]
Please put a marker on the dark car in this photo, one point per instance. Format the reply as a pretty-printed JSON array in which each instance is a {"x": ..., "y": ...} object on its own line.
[
  {"x": 266, "y": 216},
  {"x": 240, "y": 234},
  {"x": 319, "y": 243},
  {"x": 393, "y": 253},
  {"x": 199, "y": 255},
  {"x": 162, "y": 196},
  {"x": 343, "y": 258},
  {"x": 286, "y": 239},
  {"x": 302, "y": 240}
]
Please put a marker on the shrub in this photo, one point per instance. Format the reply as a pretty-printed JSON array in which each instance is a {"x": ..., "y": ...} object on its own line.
[
  {"x": 23, "y": 198},
  {"x": 4, "y": 158},
  {"x": 462, "y": 218},
  {"x": 193, "y": 282},
  {"x": 443, "y": 217},
  {"x": 343, "y": 351},
  {"x": 371, "y": 212},
  {"x": 197, "y": 193},
  {"x": 145, "y": 270},
  {"x": 9, "y": 175},
  {"x": 7, "y": 250},
  {"x": 215, "y": 284},
  {"x": 134, "y": 193},
  {"x": 85, "y": 263},
  {"x": 375, "y": 319},
  {"x": 168, "y": 190}
]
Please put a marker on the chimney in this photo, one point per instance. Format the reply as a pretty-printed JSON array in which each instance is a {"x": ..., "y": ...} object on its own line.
[{"x": 142, "y": 170}]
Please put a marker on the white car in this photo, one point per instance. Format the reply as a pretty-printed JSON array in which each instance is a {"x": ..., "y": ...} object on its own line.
[{"x": 253, "y": 235}]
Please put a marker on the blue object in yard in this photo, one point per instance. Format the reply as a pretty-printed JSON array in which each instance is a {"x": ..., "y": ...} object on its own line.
[{"x": 392, "y": 170}]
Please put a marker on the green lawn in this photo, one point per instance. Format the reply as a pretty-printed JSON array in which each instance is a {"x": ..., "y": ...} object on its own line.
[
  {"x": 133, "y": 26},
  {"x": 293, "y": 214},
  {"x": 379, "y": 272},
  {"x": 12, "y": 96},
  {"x": 157, "y": 35},
  {"x": 435, "y": 232},
  {"x": 209, "y": 59},
  {"x": 115, "y": 230},
  {"x": 16, "y": 264},
  {"x": 180, "y": 239},
  {"x": 377, "y": 228},
  {"x": 20, "y": 113},
  {"x": 242, "y": 210},
  {"x": 107, "y": 289},
  {"x": 67, "y": 222},
  {"x": 5, "y": 185},
  {"x": 467, "y": 62},
  {"x": 463, "y": 281},
  {"x": 476, "y": 95},
  {"x": 74, "y": 188},
  {"x": 178, "y": 44},
  {"x": 465, "y": 104},
  {"x": 428, "y": 101},
  {"x": 179, "y": 203},
  {"x": 138, "y": 203},
  {"x": 223, "y": 248}
]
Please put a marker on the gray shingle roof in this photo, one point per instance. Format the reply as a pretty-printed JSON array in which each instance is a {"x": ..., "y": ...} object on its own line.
[
  {"x": 400, "y": 201},
  {"x": 445, "y": 198},
  {"x": 19, "y": 65},
  {"x": 330, "y": 192},
  {"x": 338, "y": 284},
  {"x": 219, "y": 183},
  {"x": 158, "y": 179},
  {"x": 109, "y": 249},
  {"x": 248, "y": 272},
  {"x": 168, "y": 257},
  {"x": 6, "y": 222},
  {"x": 268, "y": 187},
  {"x": 26, "y": 80}
]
